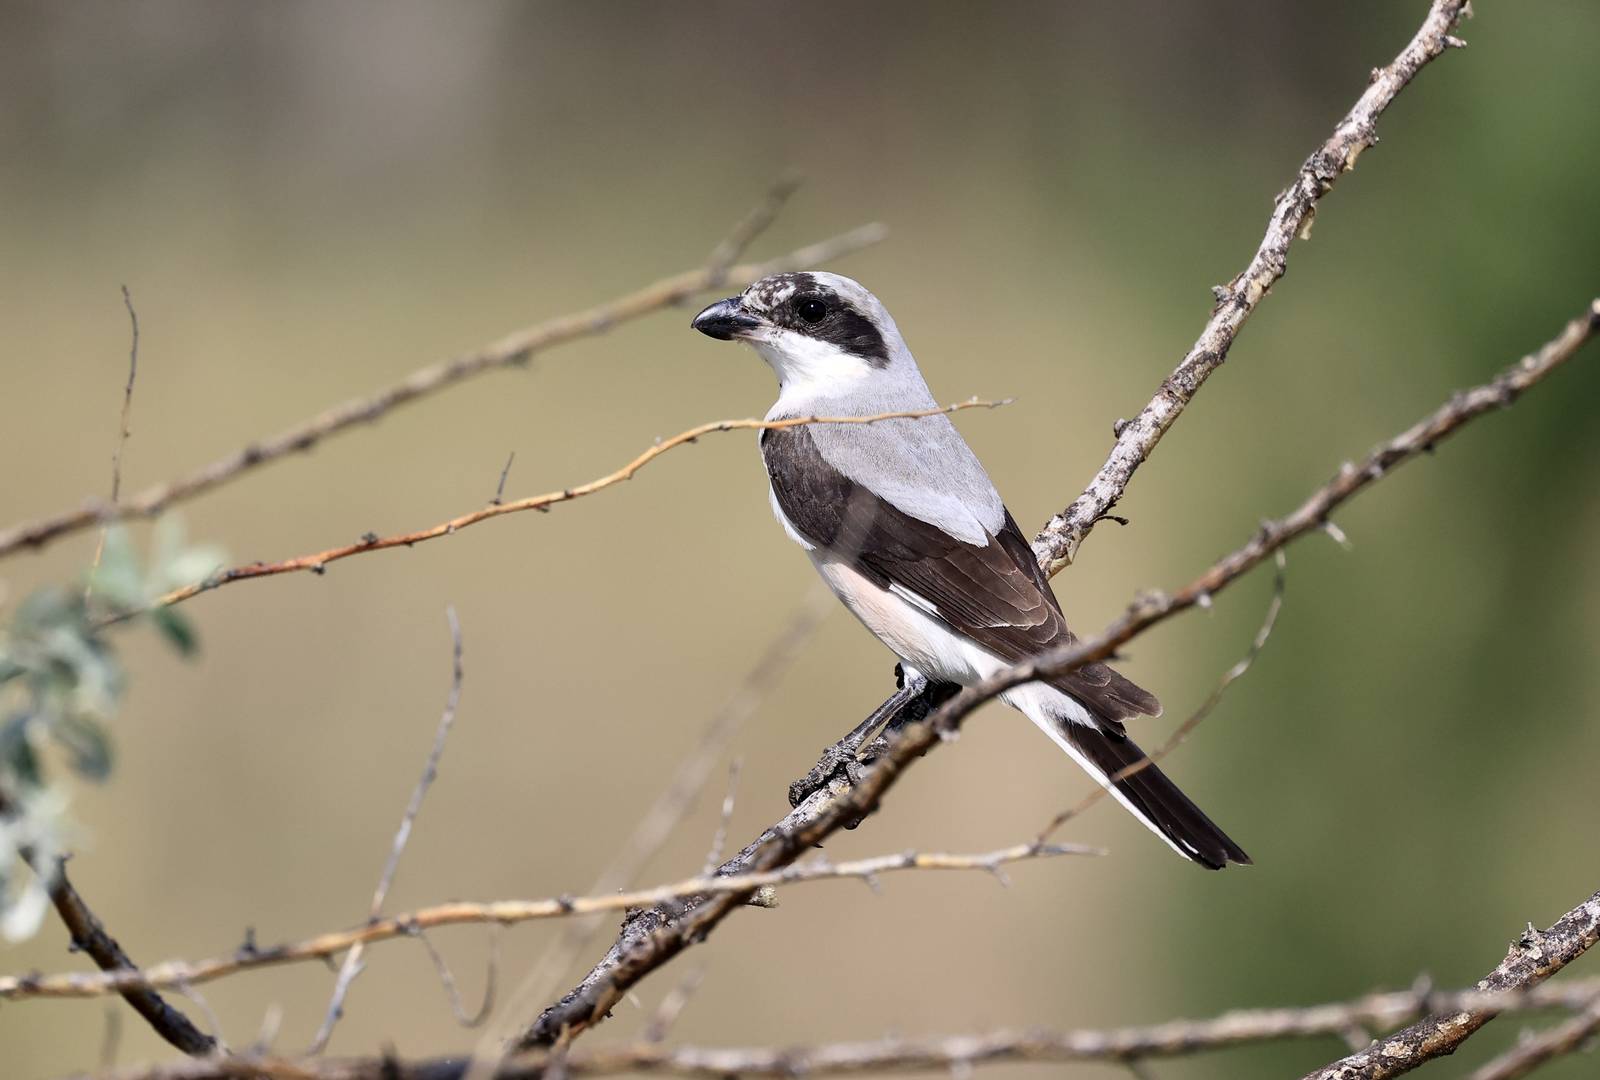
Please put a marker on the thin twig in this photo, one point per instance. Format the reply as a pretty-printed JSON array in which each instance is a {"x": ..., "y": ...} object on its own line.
[
  {"x": 178, "y": 973},
  {"x": 1182, "y": 732},
  {"x": 122, "y": 436},
  {"x": 666, "y": 813},
  {"x": 652, "y": 938},
  {"x": 500, "y": 488},
  {"x": 1176, "y": 1038},
  {"x": 452, "y": 989},
  {"x": 317, "y": 562},
  {"x": 352, "y": 967},
  {"x": 672, "y": 1006},
  {"x": 719, "y": 839},
  {"x": 513, "y": 350}
]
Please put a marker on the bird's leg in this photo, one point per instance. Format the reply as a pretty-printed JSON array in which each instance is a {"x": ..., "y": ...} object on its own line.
[
  {"x": 842, "y": 755},
  {"x": 913, "y": 700},
  {"x": 928, "y": 695}
]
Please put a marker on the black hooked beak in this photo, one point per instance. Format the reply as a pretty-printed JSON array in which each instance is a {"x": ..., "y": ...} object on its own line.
[{"x": 725, "y": 320}]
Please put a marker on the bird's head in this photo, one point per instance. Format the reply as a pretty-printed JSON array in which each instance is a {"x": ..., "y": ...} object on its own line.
[{"x": 813, "y": 328}]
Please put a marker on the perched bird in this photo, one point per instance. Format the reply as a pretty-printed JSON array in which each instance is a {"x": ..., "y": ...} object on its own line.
[{"x": 904, "y": 525}]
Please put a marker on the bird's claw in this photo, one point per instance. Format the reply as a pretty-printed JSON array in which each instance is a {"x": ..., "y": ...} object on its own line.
[{"x": 838, "y": 759}]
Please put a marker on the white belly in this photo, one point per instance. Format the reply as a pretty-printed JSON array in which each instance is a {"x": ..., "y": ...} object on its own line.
[
  {"x": 924, "y": 643},
  {"x": 927, "y": 645}
]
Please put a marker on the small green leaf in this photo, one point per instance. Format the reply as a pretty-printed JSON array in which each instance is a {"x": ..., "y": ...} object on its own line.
[
  {"x": 87, "y": 745},
  {"x": 16, "y": 751},
  {"x": 177, "y": 629}
]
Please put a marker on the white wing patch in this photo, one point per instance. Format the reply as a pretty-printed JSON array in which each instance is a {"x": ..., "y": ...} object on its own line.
[{"x": 910, "y": 597}]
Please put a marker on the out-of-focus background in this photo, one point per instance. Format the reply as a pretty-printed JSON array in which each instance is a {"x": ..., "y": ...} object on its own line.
[{"x": 309, "y": 201}]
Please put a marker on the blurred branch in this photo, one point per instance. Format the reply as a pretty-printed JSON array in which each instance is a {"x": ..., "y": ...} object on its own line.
[
  {"x": 352, "y": 967},
  {"x": 89, "y": 936},
  {"x": 122, "y": 436},
  {"x": 1533, "y": 958},
  {"x": 317, "y": 562},
  {"x": 652, "y": 937},
  {"x": 663, "y": 816},
  {"x": 178, "y": 973},
  {"x": 744, "y": 233},
  {"x": 1565, "y": 1038},
  {"x": 1292, "y": 215},
  {"x": 512, "y": 350},
  {"x": 953, "y": 1053},
  {"x": 1181, "y": 733}
]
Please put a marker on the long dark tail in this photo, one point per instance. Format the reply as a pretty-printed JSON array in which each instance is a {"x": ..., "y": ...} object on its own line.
[{"x": 1152, "y": 797}]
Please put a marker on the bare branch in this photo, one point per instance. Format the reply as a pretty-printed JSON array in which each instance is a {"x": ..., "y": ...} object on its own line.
[
  {"x": 652, "y": 938},
  {"x": 317, "y": 562},
  {"x": 1533, "y": 958},
  {"x": 513, "y": 350},
  {"x": 1565, "y": 1038},
  {"x": 353, "y": 966},
  {"x": 89, "y": 937},
  {"x": 1057, "y": 544},
  {"x": 948, "y": 1052},
  {"x": 180, "y": 974},
  {"x": 1351, "y": 480}
]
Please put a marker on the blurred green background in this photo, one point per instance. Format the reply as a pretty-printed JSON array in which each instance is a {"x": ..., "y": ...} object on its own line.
[{"x": 309, "y": 201}]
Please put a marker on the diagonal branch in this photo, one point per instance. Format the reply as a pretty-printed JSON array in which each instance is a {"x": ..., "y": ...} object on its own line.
[
  {"x": 1533, "y": 958},
  {"x": 510, "y": 351},
  {"x": 318, "y": 561},
  {"x": 1292, "y": 214},
  {"x": 652, "y": 937},
  {"x": 89, "y": 936}
]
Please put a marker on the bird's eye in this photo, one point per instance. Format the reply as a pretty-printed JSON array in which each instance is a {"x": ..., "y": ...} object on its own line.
[{"x": 811, "y": 309}]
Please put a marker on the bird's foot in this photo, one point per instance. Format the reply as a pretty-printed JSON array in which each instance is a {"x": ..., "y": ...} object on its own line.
[{"x": 840, "y": 759}]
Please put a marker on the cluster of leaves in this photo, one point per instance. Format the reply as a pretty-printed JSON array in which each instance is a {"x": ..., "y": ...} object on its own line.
[{"x": 60, "y": 686}]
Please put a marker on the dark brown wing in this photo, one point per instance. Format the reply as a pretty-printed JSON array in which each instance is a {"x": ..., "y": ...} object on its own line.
[{"x": 996, "y": 594}]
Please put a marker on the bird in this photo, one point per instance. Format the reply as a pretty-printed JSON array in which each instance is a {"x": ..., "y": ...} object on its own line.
[{"x": 905, "y": 526}]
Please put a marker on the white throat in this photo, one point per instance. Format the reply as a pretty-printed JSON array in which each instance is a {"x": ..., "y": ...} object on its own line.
[{"x": 809, "y": 369}]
